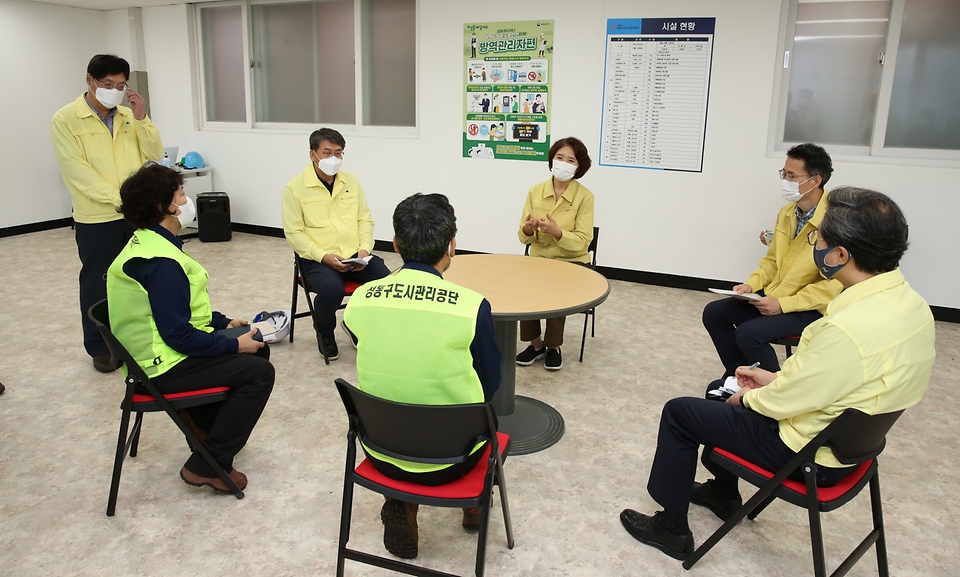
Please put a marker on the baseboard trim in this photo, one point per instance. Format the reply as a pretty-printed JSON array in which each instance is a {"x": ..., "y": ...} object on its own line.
[
  {"x": 945, "y": 314},
  {"x": 271, "y": 231},
  {"x": 35, "y": 227}
]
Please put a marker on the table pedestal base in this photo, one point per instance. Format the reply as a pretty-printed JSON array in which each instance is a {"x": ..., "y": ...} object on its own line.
[{"x": 533, "y": 426}]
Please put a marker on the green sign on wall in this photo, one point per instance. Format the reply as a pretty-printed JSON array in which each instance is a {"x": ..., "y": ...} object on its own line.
[{"x": 506, "y": 70}]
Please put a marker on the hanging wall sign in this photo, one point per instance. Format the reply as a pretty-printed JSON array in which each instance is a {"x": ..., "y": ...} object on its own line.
[
  {"x": 656, "y": 83},
  {"x": 506, "y": 70}
]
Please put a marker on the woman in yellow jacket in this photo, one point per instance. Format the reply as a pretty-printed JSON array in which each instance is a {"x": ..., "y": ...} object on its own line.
[{"x": 557, "y": 222}]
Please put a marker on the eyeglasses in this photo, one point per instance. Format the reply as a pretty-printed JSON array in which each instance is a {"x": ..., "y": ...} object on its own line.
[
  {"x": 812, "y": 237},
  {"x": 791, "y": 176},
  {"x": 110, "y": 86},
  {"x": 328, "y": 154}
]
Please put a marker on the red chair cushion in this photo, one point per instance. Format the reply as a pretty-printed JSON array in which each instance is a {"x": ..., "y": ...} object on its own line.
[
  {"x": 467, "y": 487},
  {"x": 824, "y": 494},
  {"x": 349, "y": 287},
  {"x": 139, "y": 398}
]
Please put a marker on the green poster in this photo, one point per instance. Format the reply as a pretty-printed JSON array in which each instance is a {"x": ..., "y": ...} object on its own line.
[{"x": 506, "y": 67}]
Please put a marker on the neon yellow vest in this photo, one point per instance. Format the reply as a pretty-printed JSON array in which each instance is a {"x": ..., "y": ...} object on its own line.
[
  {"x": 131, "y": 318},
  {"x": 414, "y": 331}
]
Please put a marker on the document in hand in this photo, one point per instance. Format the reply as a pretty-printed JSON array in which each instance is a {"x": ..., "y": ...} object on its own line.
[
  {"x": 734, "y": 294},
  {"x": 361, "y": 261},
  {"x": 729, "y": 388}
]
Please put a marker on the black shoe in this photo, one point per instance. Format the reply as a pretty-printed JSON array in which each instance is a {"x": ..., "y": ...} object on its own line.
[
  {"x": 330, "y": 344},
  {"x": 400, "y": 534},
  {"x": 531, "y": 354},
  {"x": 554, "y": 360},
  {"x": 105, "y": 363},
  {"x": 705, "y": 496},
  {"x": 2, "y": 388},
  {"x": 650, "y": 531}
]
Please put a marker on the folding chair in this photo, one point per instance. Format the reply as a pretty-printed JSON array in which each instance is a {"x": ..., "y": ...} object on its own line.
[
  {"x": 591, "y": 314},
  {"x": 299, "y": 282},
  {"x": 426, "y": 434},
  {"x": 856, "y": 439},
  {"x": 133, "y": 402}
]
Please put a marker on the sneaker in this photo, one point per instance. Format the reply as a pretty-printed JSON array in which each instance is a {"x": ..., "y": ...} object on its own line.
[
  {"x": 330, "y": 343},
  {"x": 400, "y": 535},
  {"x": 651, "y": 531},
  {"x": 531, "y": 354},
  {"x": 350, "y": 336},
  {"x": 705, "y": 496},
  {"x": 554, "y": 360}
]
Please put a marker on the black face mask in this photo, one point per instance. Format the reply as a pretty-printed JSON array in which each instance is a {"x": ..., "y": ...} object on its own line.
[{"x": 819, "y": 258}]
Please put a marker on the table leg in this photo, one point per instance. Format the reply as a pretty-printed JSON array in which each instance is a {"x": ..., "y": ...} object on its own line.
[
  {"x": 532, "y": 425},
  {"x": 506, "y": 335}
]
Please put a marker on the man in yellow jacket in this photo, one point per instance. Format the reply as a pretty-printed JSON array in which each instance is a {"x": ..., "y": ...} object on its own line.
[
  {"x": 792, "y": 292},
  {"x": 872, "y": 351},
  {"x": 326, "y": 221},
  {"x": 98, "y": 144}
]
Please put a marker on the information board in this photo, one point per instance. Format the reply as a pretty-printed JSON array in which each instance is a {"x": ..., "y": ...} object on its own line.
[{"x": 655, "y": 91}]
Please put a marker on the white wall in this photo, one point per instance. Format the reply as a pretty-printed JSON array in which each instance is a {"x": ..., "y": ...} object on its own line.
[
  {"x": 45, "y": 50},
  {"x": 699, "y": 225}
]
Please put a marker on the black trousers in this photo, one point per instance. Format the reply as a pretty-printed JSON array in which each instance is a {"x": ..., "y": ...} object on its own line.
[
  {"x": 98, "y": 245},
  {"x": 328, "y": 285},
  {"x": 687, "y": 423},
  {"x": 229, "y": 423},
  {"x": 742, "y": 335}
]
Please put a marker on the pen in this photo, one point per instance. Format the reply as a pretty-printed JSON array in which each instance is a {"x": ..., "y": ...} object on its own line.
[{"x": 753, "y": 366}]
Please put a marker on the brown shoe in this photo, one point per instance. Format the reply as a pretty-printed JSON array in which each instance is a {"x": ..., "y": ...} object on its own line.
[
  {"x": 214, "y": 482},
  {"x": 2, "y": 388},
  {"x": 471, "y": 518},
  {"x": 105, "y": 363},
  {"x": 400, "y": 534}
]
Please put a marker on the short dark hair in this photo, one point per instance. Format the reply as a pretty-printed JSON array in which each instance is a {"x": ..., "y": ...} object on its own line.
[
  {"x": 328, "y": 134},
  {"x": 106, "y": 64},
  {"x": 579, "y": 150},
  {"x": 145, "y": 197},
  {"x": 423, "y": 226},
  {"x": 869, "y": 225},
  {"x": 815, "y": 159}
]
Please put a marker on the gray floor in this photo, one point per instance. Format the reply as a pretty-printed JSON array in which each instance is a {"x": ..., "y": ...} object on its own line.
[{"x": 59, "y": 418}]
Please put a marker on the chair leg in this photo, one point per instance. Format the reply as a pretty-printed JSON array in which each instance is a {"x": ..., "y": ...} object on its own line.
[
  {"x": 346, "y": 514},
  {"x": 502, "y": 482},
  {"x": 293, "y": 299},
  {"x": 484, "y": 525},
  {"x": 313, "y": 315},
  {"x": 882, "y": 567},
  {"x": 118, "y": 463},
  {"x": 135, "y": 442},
  {"x": 756, "y": 512},
  {"x": 813, "y": 512},
  {"x": 583, "y": 339}
]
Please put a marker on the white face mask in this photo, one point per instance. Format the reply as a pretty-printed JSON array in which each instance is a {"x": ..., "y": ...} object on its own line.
[
  {"x": 791, "y": 190},
  {"x": 188, "y": 211},
  {"x": 330, "y": 165},
  {"x": 563, "y": 171},
  {"x": 108, "y": 97}
]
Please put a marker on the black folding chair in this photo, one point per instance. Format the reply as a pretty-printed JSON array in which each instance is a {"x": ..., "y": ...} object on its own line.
[
  {"x": 426, "y": 434},
  {"x": 299, "y": 282},
  {"x": 133, "y": 402},
  {"x": 589, "y": 315},
  {"x": 856, "y": 439}
]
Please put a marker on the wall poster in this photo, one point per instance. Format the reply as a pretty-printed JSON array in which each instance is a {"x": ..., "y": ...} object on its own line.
[
  {"x": 655, "y": 89},
  {"x": 506, "y": 109}
]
